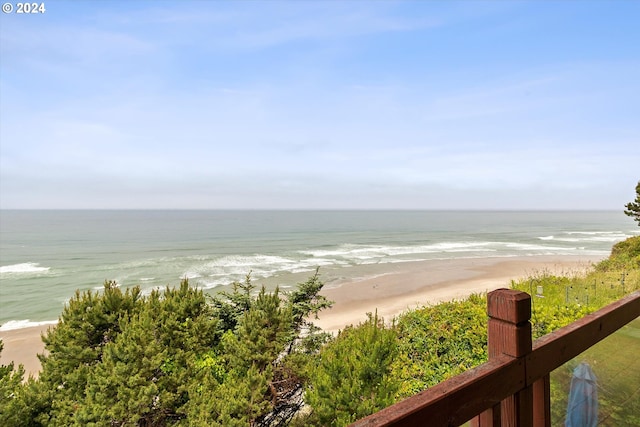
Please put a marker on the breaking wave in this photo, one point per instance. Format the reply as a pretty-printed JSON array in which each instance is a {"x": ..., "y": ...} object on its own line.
[{"x": 23, "y": 268}]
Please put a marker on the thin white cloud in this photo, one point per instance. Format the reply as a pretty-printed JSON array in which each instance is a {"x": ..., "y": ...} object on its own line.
[{"x": 304, "y": 105}]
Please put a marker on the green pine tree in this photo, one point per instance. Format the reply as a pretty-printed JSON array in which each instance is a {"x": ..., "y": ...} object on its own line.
[
  {"x": 117, "y": 358},
  {"x": 633, "y": 208},
  {"x": 144, "y": 374},
  {"x": 88, "y": 322},
  {"x": 305, "y": 301},
  {"x": 352, "y": 377}
]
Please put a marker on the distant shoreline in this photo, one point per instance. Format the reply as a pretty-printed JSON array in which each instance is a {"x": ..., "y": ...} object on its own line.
[{"x": 389, "y": 289}]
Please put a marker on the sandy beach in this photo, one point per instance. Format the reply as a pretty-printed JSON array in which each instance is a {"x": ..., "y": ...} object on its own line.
[
  {"x": 388, "y": 288},
  {"x": 22, "y": 346},
  {"x": 399, "y": 287}
]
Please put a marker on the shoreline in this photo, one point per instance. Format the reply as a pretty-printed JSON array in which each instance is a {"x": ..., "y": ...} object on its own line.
[{"x": 390, "y": 289}]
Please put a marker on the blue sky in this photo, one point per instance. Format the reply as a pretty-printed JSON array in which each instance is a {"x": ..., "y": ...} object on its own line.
[{"x": 321, "y": 105}]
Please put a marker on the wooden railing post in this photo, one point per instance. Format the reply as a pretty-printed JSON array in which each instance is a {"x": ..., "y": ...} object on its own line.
[
  {"x": 542, "y": 402},
  {"x": 509, "y": 333}
]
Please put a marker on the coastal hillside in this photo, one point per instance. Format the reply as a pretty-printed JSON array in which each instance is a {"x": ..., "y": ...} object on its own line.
[{"x": 254, "y": 357}]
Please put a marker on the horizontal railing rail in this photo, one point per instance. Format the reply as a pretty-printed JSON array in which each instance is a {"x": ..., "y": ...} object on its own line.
[
  {"x": 512, "y": 388},
  {"x": 557, "y": 348}
]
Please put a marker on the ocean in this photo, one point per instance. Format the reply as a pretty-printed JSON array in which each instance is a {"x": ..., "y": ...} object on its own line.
[{"x": 46, "y": 255}]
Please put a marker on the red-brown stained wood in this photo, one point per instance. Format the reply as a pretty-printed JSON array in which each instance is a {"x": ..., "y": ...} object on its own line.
[
  {"x": 523, "y": 409},
  {"x": 542, "y": 402},
  {"x": 455, "y": 401},
  {"x": 509, "y": 334},
  {"x": 489, "y": 418},
  {"x": 509, "y": 305},
  {"x": 507, "y": 338}
]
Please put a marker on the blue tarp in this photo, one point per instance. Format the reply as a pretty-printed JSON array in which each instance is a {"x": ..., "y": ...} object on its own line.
[{"x": 582, "y": 410}]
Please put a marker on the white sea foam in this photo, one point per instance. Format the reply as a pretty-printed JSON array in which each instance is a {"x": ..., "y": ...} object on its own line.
[
  {"x": 368, "y": 252},
  {"x": 607, "y": 239},
  {"x": 147, "y": 291},
  {"x": 591, "y": 236},
  {"x": 209, "y": 273},
  {"x": 21, "y": 324},
  {"x": 213, "y": 284},
  {"x": 231, "y": 261},
  {"x": 23, "y": 268},
  {"x": 583, "y": 242},
  {"x": 591, "y": 233},
  {"x": 533, "y": 247}
]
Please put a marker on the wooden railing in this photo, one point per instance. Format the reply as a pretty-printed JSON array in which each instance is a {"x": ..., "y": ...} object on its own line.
[{"x": 512, "y": 388}]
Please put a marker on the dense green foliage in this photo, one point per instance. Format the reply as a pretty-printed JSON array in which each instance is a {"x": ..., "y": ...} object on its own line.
[
  {"x": 564, "y": 299},
  {"x": 10, "y": 386},
  {"x": 625, "y": 255},
  {"x": 633, "y": 208},
  {"x": 352, "y": 377},
  {"x": 170, "y": 358},
  {"x": 438, "y": 342}
]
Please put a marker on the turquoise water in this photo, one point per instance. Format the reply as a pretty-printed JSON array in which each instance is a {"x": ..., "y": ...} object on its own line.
[{"x": 46, "y": 255}]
